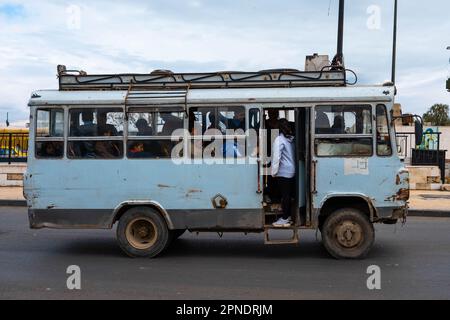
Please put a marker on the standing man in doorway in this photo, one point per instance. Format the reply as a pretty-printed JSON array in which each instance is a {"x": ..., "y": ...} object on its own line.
[{"x": 283, "y": 170}]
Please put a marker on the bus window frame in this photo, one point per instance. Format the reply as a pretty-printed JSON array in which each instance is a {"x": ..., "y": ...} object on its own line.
[
  {"x": 37, "y": 139},
  {"x": 69, "y": 138},
  {"x": 209, "y": 138},
  {"x": 127, "y": 138},
  {"x": 383, "y": 105},
  {"x": 343, "y": 136}
]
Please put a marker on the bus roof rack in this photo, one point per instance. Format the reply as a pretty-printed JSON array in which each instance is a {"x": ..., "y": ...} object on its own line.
[{"x": 165, "y": 79}]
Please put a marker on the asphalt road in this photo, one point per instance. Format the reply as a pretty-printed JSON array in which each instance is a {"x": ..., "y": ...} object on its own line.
[{"x": 414, "y": 262}]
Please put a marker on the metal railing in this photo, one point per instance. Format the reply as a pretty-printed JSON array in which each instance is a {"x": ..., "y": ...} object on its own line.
[
  {"x": 13, "y": 147},
  {"x": 429, "y": 153}
]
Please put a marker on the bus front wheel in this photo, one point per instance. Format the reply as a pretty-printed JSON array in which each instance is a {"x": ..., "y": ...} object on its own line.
[
  {"x": 348, "y": 234},
  {"x": 142, "y": 233}
]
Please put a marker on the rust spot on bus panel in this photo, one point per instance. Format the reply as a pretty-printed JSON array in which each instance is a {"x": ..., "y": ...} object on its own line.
[
  {"x": 194, "y": 191},
  {"x": 164, "y": 186},
  {"x": 403, "y": 194}
]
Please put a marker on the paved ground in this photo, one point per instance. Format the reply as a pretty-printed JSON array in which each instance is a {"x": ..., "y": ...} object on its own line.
[{"x": 414, "y": 260}]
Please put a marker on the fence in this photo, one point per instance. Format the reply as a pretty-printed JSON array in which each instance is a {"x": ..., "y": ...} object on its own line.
[
  {"x": 13, "y": 147},
  {"x": 428, "y": 153}
]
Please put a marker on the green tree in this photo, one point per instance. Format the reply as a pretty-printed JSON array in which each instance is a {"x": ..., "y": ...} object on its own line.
[{"x": 438, "y": 115}]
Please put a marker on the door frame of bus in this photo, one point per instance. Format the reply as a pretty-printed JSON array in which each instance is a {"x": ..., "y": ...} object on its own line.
[{"x": 268, "y": 139}]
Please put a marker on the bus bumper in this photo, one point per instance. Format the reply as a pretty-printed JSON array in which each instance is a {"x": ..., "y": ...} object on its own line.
[{"x": 392, "y": 215}]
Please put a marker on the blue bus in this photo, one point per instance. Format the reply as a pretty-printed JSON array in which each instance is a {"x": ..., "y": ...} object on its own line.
[{"x": 134, "y": 150}]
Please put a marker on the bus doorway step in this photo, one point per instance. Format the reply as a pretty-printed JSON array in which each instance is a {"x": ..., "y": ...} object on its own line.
[{"x": 269, "y": 241}]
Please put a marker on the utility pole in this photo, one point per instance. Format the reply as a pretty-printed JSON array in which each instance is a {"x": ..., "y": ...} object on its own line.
[
  {"x": 394, "y": 46},
  {"x": 448, "y": 77},
  {"x": 338, "y": 60}
]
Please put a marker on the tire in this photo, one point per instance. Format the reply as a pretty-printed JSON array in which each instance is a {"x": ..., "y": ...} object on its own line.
[
  {"x": 142, "y": 233},
  {"x": 348, "y": 234},
  {"x": 177, "y": 233}
]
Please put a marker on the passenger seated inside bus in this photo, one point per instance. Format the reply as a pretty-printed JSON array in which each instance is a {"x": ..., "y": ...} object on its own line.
[
  {"x": 106, "y": 150},
  {"x": 50, "y": 150},
  {"x": 236, "y": 122},
  {"x": 94, "y": 123},
  {"x": 338, "y": 125},
  {"x": 215, "y": 123},
  {"x": 171, "y": 123},
  {"x": 88, "y": 129},
  {"x": 144, "y": 130},
  {"x": 212, "y": 120},
  {"x": 103, "y": 128},
  {"x": 322, "y": 123}
]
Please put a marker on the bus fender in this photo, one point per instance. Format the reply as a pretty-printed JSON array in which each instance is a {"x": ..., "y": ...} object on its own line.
[
  {"x": 136, "y": 203},
  {"x": 372, "y": 209}
]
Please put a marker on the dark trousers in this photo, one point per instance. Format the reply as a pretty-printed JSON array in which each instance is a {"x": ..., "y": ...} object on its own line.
[{"x": 286, "y": 189}]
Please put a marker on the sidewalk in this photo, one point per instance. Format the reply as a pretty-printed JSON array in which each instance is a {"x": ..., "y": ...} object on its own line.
[
  {"x": 12, "y": 196},
  {"x": 429, "y": 203},
  {"x": 422, "y": 203}
]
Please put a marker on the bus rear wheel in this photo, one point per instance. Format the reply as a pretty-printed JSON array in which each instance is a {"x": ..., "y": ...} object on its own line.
[
  {"x": 142, "y": 233},
  {"x": 348, "y": 234}
]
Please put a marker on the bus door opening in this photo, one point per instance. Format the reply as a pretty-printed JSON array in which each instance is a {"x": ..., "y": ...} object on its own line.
[{"x": 271, "y": 191}]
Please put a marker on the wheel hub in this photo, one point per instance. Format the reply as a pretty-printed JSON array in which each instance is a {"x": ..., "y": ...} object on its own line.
[
  {"x": 349, "y": 234},
  {"x": 141, "y": 233}
]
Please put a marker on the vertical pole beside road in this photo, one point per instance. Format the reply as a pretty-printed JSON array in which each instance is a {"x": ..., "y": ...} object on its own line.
[
  {"x": 394, "y": 46},
  {"x": 9, "y": 148}
]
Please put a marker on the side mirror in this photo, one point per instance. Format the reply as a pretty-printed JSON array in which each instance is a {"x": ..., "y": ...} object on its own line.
[{"x": 419, "y": 132}]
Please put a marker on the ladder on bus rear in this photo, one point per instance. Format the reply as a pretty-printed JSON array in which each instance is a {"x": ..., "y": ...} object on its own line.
[{"x": 70, "y": 80}]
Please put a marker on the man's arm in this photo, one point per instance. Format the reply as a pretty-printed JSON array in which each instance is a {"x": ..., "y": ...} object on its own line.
[{"x": 276, "y": 156}]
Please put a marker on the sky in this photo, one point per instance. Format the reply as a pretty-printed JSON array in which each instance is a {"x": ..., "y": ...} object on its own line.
[{"x": 107, "y": 36}]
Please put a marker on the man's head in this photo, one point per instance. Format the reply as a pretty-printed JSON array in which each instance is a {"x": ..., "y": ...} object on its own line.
[
  {"x": 101, "y": 118},
  {"x": 239, "y": 114},
  {"x": 141, "y": 124},
  {"x": 50, "y": 148},
  {"x": 273, "y": 114},
  {"x": 87, "y": 116}
]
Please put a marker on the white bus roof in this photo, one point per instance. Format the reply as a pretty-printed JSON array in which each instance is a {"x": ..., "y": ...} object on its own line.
[{"x": 215, "y": 96}]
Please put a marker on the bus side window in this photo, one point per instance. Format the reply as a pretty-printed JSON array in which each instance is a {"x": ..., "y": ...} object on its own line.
[
  {"x": 384, "y": 146},
  {"x": 334, "y": 123},
  {"x": 231, "y": 118},
  {"x": 209, "y": 127},
  {"x": 155, "y": 135},
  {"x": 88, "y": 129},
  {"x": 50, "y": 134}
]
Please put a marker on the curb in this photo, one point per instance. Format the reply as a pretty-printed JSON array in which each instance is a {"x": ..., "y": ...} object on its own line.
[
  {"x": 429, "y": 213},
  {"x": 13, "y": 203}
]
